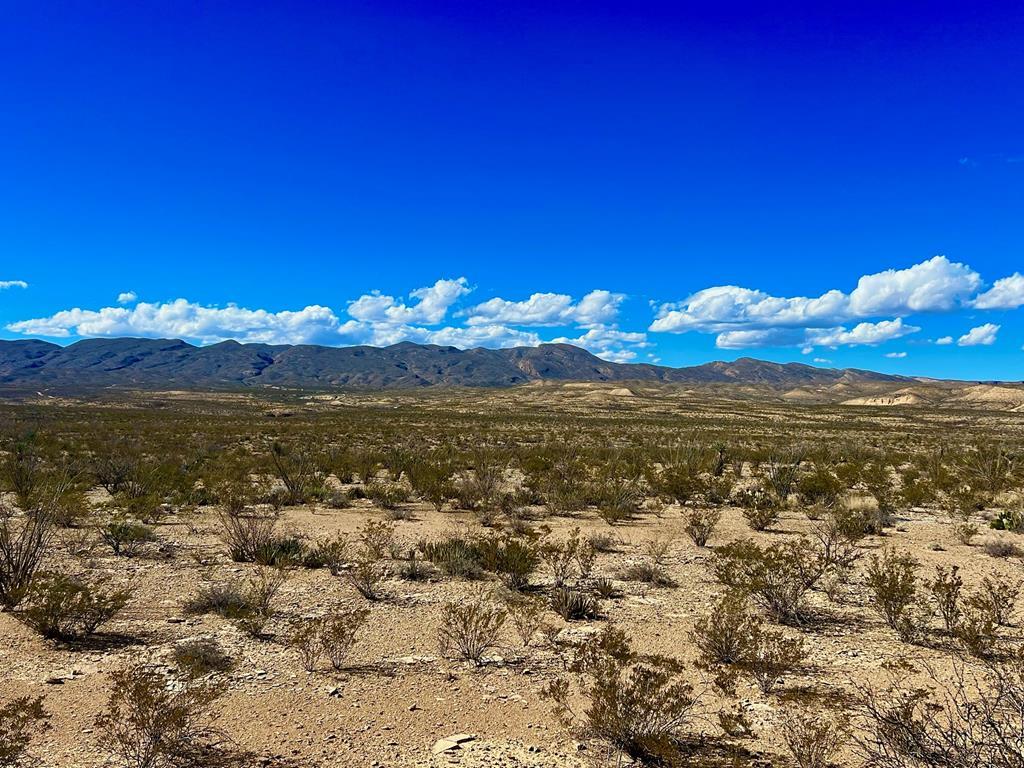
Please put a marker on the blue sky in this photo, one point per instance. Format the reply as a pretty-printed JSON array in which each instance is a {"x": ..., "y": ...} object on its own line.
[{"x": 675, "y": 182}]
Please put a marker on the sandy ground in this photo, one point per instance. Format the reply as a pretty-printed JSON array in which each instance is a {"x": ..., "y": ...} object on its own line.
[{"x": 397, "y": 697}]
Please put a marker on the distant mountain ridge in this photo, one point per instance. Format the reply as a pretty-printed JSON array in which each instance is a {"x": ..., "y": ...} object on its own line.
[{"x": 132, "y": 363}]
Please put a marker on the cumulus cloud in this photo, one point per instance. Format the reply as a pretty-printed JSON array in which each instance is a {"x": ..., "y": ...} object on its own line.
[
  {"x": 822, "y": 360},
  {"x": 430, "y": 307},
  {"x": 944, "y": 341},
  {"x": 808, "y": 338},
  {"x": 184, "y": 319},
  {"x": 931, "y": 286},
  {"x": 383, "y": 335},
  {"x": 1006, "y": 293},
  {"x": 896, "y": 355},
  {"x": 550, "y": 309},
  {"x": 936, "y": 285},
  {"x": 608, "y": 343},
  {"x": 5, "y": 284},
  {"x": 375, "y": 319},
  {"x": 981, "y": 336}
]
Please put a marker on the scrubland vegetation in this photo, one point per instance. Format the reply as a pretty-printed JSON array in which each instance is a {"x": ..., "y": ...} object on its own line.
[{"x": 720, "y": 584}]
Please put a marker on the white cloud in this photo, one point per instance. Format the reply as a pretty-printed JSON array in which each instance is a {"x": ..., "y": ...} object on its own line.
[
  {"x": 746, "y": 317},
  {"x": 608, "y": 343},
  {"x": 944, "y": 341},
  {"x": 936, "y": 285},
  {"x": 430, "y": 308},
  {"x": 383, "y": 335},
  {"x": 896, "y": 355},
  {"x": 1006, "y": 293},
  {"x": 4, "y": 284},
  {"x": 551, "y": 309},
  {"x": 982, "y": 335},
  {"x": 128, "y": 297},
  {"x": 808, "y": 338},
  {"x": 822, "y": 360},
  {"x": 862, "y": 333},
  {"x": 184, "y": 319}
]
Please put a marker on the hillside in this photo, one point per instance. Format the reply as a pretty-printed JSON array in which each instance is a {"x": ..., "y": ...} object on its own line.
[{"x": 161, "y": 363}]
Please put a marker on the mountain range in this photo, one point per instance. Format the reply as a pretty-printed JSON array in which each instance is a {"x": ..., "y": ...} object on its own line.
[{"x": 132, "y": 363}]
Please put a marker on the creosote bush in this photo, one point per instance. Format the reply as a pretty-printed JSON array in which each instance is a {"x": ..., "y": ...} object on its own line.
[
  {"x": 146, "y": 724},
  {"x": 21, "y": 720},
  {"x": 963, "y": 718},
  {"x": 332, "y": 636},
  {"x": 638, "y": 704},
  {"x": 700, "y": 524},
  {"x": 469, "y": 628},
  {"x": 812, "y": 738},
  {"x": 62, "y": 607}
]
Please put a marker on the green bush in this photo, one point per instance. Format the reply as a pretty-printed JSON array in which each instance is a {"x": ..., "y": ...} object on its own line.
[{"x": 62, "y": 607}]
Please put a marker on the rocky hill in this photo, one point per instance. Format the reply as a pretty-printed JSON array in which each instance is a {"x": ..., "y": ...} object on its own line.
[{"x": 161, "y": 363}]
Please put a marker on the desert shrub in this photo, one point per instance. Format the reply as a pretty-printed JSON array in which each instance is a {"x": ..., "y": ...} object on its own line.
[
  {"x": 377, "y": 537},
  {"x": 332, "y": 635},
  {"x": 604, "y": 588},
  {"x": 470, "y": 628},
  {"x": 995, "y": 598},
  {"x": 455, "y": 556},
  {"x": 637, "y": 704},
  {"x": 431, "y": 479},
  {"x": 976, "y": 631},
  {"x": 1010, "y": 519},
  {"x": 326, "y": 553},
  {"x": 284, "y": 552},
  {"x": 729, "y": 633},
  {"x": 682, "y": 476},
  {"x": 305, "y": 638},
  {"x": 761, "y": 518},
  {"x": 148, "y": 725},
  {"x": 573, "y": 604},
  {"x": 513, "y": 560},
  {"x": 700, "y": 524},
  {"x": 964, "y": 531},
  {"x": 962, "y": 719},
  {"x": 413, "y": 568},
  {"x": 812, "y": 738},
  {"x": 221, "y": 598},
  {"x": 338, "y": 633},
  {"x": 387, "y": 496},
  {"x": 646, "y": 572},
  {"x": 892, "y": 582},
  {"x": 851, "y": 522},
  {"x": 366, "y": 574},
  {"x": 23, "y": 544},
  {"x": 21, "y": 720},
  {"x": 62, "y": 607},
  {"x": 617, "y": 497},
  {"x": 302, "y": 472},
  {"x": 945, "y": 590},
  {"x": 772, "y": 656},
  {"x": 527, "y": 616},
  {"x": 1002, "y": 548},
  {"x": 780, "y": 473},
  {"x": 249, "y": 605},
  {"x": 125, "y": 537},
  {"x": 820, "y": 487},
  {"x": 201, "y": 657},
  {"x": 568, "y": 559},
  {"x": 777, "y": 576},
  {"x": 878, "y": 481},
  {"x": 247, "y": 533},
  {"x": 602, "y": 542}
]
